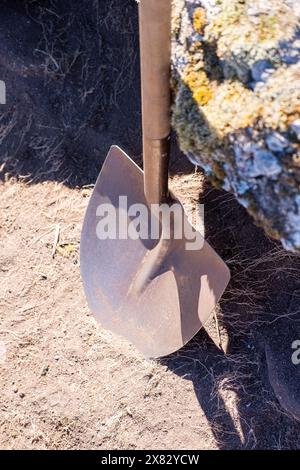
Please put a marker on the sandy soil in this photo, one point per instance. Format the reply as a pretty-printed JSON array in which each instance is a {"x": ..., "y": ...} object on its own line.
[{"x": 65, "y": 382}]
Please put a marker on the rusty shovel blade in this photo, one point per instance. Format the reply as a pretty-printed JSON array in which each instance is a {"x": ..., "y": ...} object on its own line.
[{"x": 180, "y": 296}]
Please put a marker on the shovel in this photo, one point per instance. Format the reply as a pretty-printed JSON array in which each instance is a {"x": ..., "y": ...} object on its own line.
[{"x": 156, "y": 291}]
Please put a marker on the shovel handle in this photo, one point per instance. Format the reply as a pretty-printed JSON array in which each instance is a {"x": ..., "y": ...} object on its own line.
[{"x": 155, "y": 51}]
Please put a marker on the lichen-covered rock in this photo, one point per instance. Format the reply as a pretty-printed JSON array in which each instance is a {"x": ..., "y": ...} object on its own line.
[{"x": 236, "y": 82}]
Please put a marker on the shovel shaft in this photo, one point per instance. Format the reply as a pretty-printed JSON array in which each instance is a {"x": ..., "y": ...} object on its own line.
[{"x": 155, "y": 47}]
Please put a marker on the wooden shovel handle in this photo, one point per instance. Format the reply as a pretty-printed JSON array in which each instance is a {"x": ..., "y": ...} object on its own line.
[
  {"x": 155, "y": 50},
  {"x": 155, "y": 33}
]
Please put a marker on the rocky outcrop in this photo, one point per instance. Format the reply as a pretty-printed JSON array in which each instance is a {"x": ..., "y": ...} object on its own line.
[{"x": 236, "y": 83}]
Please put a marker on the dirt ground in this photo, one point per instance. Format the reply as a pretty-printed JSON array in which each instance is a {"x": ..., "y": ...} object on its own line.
[
  {"x": 68, "y": 384},
  {"x": 65, "y": 382}
]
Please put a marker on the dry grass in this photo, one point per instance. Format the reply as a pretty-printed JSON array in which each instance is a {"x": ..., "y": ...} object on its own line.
[{"x": 80, "y": 74}]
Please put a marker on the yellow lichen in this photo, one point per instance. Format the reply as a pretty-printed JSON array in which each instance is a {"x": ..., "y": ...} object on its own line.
[
  {"x": 199, "y": 20},
  {"x": 199, "y": 85},
  {"x": 202, "y": 95},
  {"x": 233, "y": 107}
]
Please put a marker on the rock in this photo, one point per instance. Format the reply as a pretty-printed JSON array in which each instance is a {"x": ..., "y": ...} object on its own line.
[{"x": 236, "y": 111}]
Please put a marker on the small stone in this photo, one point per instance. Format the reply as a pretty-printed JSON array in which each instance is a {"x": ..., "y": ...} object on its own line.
[{"x": 21, "y": 395}]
